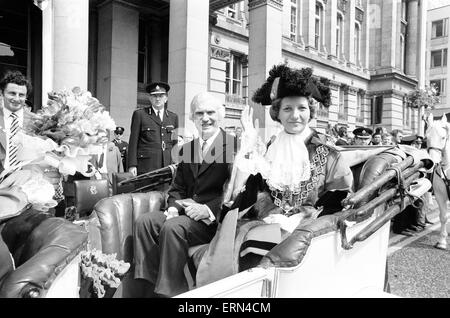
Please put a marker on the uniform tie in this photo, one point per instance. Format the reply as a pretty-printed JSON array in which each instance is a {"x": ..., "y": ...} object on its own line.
[
  {"x": 159, "y": 115},
  {"x": 13, "y": 161}
]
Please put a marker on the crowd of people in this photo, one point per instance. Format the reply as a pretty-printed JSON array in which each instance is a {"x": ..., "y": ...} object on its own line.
[
  {"x": 380, "y": 137},
  {"x": 285, "y": 172}
]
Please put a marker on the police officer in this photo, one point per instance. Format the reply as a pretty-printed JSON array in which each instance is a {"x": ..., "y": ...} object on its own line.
[
  {"x": 121, "y": 144},
  {"x": 363, "y": 136},
  {"x": 151, "y": 140}
]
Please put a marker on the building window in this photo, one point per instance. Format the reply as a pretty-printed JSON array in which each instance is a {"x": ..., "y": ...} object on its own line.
[
  {"x": 359, "y": 109},
  {"x": 357, "y": 43},
  {"x": 293, "y": 24},
  {"x": 339, "y": 32},
  {"x": 232, "y": 11},
  {"x": 377, "y": 109},
  {"x": 342, "y": 106},
  {"x": 439, "y": 58},
  {"x": 143, "y": 65},
  {"x": 318, "y": 25},
  {"x": 439, "y": 28},
  {"x": 407, "y": 112},
  {"x": 402, "y": 52},
  {"x": 233, "y": 76},
  {"x": 404, "y": 10},
  {"x": 440, "y": 85}
]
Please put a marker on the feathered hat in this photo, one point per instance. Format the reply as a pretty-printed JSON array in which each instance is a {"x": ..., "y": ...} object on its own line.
[{"x": 286, "y": 81}]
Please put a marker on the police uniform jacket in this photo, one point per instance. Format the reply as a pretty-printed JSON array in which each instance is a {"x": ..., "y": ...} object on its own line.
[{"x": 151, "y": 141}]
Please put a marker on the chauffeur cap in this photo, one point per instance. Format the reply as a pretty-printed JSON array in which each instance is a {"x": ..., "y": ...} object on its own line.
[
  {"x": 157, "y": 88},
  {"x": 363, "y": 133}
]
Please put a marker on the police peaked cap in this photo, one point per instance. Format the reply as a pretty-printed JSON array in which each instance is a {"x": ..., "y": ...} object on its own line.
[
  {"x": 362, "y": 132},
  {"x": 157, "y": 88}
]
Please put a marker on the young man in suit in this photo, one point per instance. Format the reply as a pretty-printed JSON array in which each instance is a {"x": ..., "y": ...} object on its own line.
[
  {"x": 151, "y": 142},
  {"x": 14, "y": 89},
  {"x": 162, "y": 238}
]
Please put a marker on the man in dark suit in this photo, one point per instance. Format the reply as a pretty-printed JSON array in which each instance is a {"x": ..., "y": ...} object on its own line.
[
  {"x": 342, "y": 134},
  {"x": 14, "y": 89},
  {"x": 121, "y": 144},
  {"x": 151, "y": 140},
  {"x": 162, "y": 238}
]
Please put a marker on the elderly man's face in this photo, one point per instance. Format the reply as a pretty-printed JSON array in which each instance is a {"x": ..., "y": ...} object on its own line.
[{"x": 206, "y": 119}]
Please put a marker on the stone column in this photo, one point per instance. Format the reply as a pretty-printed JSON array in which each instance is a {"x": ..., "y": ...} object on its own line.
[
  {"x": 265, "y": 31},
  {"x": 389, "y": 25},
  {"x": 65, "y": 45},
  {"x": 412, "y": 38},
  {"x": 188, "y": 53},
  {"x": 117, "y": 60}
]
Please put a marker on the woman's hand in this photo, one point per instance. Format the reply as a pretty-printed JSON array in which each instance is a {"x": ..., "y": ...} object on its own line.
[{"x": 247, "y": 120}]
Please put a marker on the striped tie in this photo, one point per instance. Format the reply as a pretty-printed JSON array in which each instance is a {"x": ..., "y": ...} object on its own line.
[{"x": 13, "y": 161}]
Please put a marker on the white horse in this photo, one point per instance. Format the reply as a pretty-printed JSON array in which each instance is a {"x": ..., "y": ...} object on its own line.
[{"x": 438, "y": 144}]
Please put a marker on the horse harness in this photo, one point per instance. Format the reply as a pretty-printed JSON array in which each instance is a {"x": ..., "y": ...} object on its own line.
[{"x": 440, "y": 172}]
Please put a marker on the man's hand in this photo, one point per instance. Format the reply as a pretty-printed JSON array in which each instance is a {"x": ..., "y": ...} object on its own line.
[
  {"x": 133, "y": 171},
  {"x": 196, "y": 211},
  {"x": 171, "y": 212}
]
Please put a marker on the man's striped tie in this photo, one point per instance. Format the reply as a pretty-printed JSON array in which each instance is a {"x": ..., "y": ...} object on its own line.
[{"x": 13, "y": 161}]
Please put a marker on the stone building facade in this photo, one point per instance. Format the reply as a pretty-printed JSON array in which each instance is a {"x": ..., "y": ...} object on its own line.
[
  {"x": 371, "y": 50},
  {"x": 438, "y": 46}
]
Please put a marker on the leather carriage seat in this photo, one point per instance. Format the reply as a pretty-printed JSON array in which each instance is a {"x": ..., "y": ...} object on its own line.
[
  {"x": 112, "y": 220},
  {"x": 41, "y": 246}
]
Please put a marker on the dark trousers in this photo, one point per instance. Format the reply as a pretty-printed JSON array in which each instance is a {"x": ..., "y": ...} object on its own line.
[{"x": 161, "y": 249}]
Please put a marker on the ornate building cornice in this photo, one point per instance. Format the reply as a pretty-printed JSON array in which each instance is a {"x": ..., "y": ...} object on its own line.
[{"x": 252, "y": 4}]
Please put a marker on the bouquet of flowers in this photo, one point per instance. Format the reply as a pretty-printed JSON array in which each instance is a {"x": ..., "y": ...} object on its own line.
[
  {"x": 62, "y": 136},
  {"x": 100, "y": 272}
]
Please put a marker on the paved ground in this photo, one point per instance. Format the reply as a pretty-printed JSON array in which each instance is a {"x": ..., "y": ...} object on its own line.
[{"x": 416, "y": 268}]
